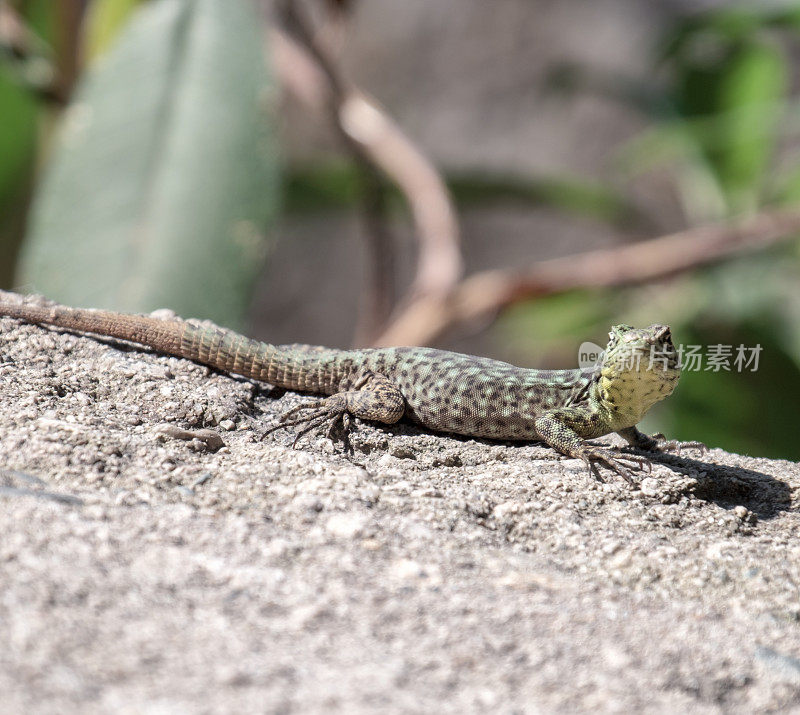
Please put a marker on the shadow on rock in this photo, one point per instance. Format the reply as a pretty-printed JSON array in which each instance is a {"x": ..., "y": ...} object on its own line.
[{"x": 764, "y": 495}]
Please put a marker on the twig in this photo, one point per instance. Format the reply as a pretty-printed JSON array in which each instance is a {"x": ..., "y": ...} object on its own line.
[
  {"x": 307, "y": 70},
  {"x": 439, "y": 262},
  {"x": 378, "y": 292},
  {"x": 486, "y": 293},
  {"x": 376, "y": 140},
  {"x": 68, "y": 39}
]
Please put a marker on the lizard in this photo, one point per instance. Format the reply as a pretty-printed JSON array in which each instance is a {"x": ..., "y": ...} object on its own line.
[{"x": 440, "y": 390}]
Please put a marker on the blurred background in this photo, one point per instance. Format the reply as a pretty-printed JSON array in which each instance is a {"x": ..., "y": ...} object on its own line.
[{"x": 507, "y": 178}]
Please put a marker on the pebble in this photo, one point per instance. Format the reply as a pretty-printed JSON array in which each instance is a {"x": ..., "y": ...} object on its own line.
[
  {"x": 346, "y": 524},
  {"x": 407, "y": 569},
  {"x": 401, "y": 487},
  {"x": 427, "y": 492},
  {"x": 402, "y": 451},
  {"x": 740, "y": 512},
  {"x": 386, "y": 460},
  {"x": 649, "y": 487},
  {"x": 502, "y": 511}
]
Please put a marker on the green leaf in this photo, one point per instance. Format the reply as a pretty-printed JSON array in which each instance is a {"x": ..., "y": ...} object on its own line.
[
  {"x": 320, "y": 187},
  {"x": 750, "y": 91},
  {"x": 41, "y": 16},
  {"x": 700, "y": 32},
  {"x": 730, "y": 84},
  {"x": 18, "y": 135},
  {"x": 730, "y": 79},
  {"x": 161, "y": 187}
]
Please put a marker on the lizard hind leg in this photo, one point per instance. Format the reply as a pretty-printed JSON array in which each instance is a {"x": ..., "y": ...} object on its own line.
[{"x": 369, "y": 396}]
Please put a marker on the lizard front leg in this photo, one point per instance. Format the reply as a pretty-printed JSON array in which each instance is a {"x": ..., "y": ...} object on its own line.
[
  {"x": 368, "y": 396},
  {"x": 656, "y": 443},
  {"x": 562, "y": 430}
]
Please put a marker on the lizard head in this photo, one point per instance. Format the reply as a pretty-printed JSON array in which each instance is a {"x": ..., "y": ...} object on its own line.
[{"x": 640, "y": 367}]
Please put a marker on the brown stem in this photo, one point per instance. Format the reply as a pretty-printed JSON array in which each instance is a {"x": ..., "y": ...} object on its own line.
[
  {"x": 487, "y": 292},
  {"x": 67, "y": 42},
  {"x": 378, "y": 292}
]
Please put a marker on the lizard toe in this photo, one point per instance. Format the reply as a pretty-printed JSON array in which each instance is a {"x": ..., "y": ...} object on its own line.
[
  {"x": 285, "y": 418},
  {"x": 316, "y": 413},
  {"x": 662, "y": 444},
  {"x": 680, "y": 446},
  {"x": 615, "y": 463},
  {"x": 307, "y": 405}
]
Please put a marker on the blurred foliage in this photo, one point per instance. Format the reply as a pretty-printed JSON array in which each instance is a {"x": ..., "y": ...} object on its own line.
[
  {"x": 164, "y": 175},
  {"x": 25, "y": 69},
  {"x": 329, "y": 185},
  {"x": 743, "y": 302},
  {"x": 722, "y": 107},
  {"x": 17, "y": 149},
  {"x": 730, "y": 68},
  {"x": 104, "y": 21},
  {"x": 746, "y": 408},
  {"x": 722, "y": 111}
]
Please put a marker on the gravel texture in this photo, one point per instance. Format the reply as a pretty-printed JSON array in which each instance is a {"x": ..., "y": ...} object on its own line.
[{"x": 146, "y": 568}]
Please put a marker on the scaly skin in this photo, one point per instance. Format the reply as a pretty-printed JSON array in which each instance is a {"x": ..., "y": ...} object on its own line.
[{"x": 443, "y": 391}]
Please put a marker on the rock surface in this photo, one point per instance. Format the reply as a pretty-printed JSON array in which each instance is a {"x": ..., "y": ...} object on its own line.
[{"x": 144, "y": 569}]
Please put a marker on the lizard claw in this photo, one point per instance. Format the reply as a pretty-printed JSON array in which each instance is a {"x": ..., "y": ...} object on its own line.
[
  {"x": 674, "y": 445},
  {"x": 285, "y": 421},
  {"x": 344, "y": 424},
  {"x": 318, "y": 413},
  {"x": 662, "y": 444},
  {"x": 595, "y": 456}
]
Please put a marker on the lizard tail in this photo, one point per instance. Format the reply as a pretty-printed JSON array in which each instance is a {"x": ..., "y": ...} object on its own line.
[
  {"x": 161, "y": 335},
  {"x": 294, "y": 369},
  {"x": 302, "y": 368}
]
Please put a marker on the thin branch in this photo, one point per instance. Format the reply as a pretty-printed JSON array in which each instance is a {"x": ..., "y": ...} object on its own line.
[
  {"x": 69, "y": 19},
  {"x": 378, "y": 291},
  {"x": 484, "y": 294},
  {"x": 375, "y": 139},
  {"x": 439, "y": 263},
  {"x": 306, "y": 69}
]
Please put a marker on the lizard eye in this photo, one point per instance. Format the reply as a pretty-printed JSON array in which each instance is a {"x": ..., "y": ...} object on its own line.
[
  {"x": 619, "y": 331},
  {"x": 663, "y": 333}
]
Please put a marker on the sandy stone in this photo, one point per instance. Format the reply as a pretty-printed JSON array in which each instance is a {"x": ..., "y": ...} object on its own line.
[{"x": 141, "y": 575}]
